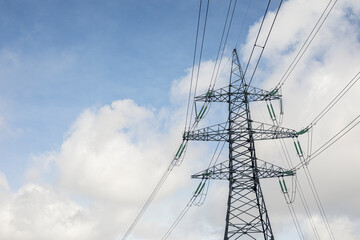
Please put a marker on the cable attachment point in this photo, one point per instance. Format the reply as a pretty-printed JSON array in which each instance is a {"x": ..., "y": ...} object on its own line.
[
  {"x": 301, "y": 132},
  {"x": 179, "y": 156}
]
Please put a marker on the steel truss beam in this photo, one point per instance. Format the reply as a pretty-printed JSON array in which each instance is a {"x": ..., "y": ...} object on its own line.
[
  {"x": 222, "y": 94},
  {"x": 221, "y": 171},
  {"x": 221, "y": 132}
]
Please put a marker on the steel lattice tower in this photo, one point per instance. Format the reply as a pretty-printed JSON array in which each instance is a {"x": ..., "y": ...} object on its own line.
[{"x": 247, "y": 216}]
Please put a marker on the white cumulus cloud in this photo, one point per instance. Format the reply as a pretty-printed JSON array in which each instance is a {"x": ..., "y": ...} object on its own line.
[{"x": 113, "y": 155}]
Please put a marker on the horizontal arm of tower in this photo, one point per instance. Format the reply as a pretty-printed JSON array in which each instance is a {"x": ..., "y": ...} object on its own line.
[
  {"x": 218, "y": 132},
  {"x": 263, "y": 131},
  {"x": 265, "y": 170},
  {"x": 237, "y": 93},
  {"x": 240, "y": 131}
]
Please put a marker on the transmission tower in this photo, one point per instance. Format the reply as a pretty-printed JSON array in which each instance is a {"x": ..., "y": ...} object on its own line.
[{"x": 246, "y": 216}]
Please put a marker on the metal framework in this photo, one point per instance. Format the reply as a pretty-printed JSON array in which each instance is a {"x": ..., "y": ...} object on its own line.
[{"x": 246, "y": 217}]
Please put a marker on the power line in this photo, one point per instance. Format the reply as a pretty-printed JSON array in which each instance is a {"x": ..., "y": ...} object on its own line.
[
  {"x": 314, "y": 191},
  {"x": 347, "y": 87},
  {"x": 291, "y": 199},
  {"x": 301, "y": 194},
  {"x": 193, "y": 64},
  {"x": 304, "y": 163},
  {"x": 201, "y": 50},
  {"x": 243, "y": 23},
  {"x": 174, "y": 162},
  {"x": 306, "y": 44},
  {"x": 221, "y": 40},
  {"x": 150, "y": 199},
  {"x": 192, "y": 201},
  {"x": 263, "y": 47},
  {"x": 179, "y": 218},
  {"x": 307, "y": 210},
  {"x": 336, "y": 99},
  {"x": 319, "y": 203},
  {"x": 223, "y": 50},
  {"x": 293, "y": 64},
  {"x": 325, "y": 146},
  {"x": 257, "y": 36},
  {"x": 193, "y": 198},
  {"x": 331, "y": 141}
]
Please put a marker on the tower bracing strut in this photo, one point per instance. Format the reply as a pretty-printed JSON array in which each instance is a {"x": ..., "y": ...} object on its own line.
[{"x": 246, "y": 216}]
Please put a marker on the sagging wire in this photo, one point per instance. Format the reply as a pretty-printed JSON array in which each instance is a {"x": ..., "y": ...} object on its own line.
[
  {"x": 289, "y": 195},
  {"x": 151, "y": 197},
  {"x": 199, "y": 62},
  {"x": 197, "y": 199},
  {"x": 331, "y": 141},
  {"x": 313, "y": 189},
  {"x": 193, "y": 64},
  {"x": 201, "y": 191},
  {"x": 302, "y": 158},
  {"x": 301, "y": 194},
  {"x": 221, "y": 45},
  {"x": 199, "y": 196},
  {"x": 307, "y": 43},
  {"x": 180, "y": 153},
  {"x": 266, "y": 40},
  {"x": 290, "y": 199},
  {"x": 215, "y": 74},
  {"x": 243, "y": 23},
  {"x": 296, "y": 186},
  {"x": 257, "y": 36},
  {"x": 199, "y": 115},
  {"x": 194, "y": 201},
  {"x": 335, "y": 100},
  {"x": 304, "y": 161},
  {"x": 176, "y": 161}
]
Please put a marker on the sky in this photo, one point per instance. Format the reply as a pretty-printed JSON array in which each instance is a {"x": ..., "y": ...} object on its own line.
[{"x": 92, "y": 108}]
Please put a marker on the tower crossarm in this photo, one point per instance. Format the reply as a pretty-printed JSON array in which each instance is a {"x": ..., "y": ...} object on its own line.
[
  {"x": 263, "y": 131},
  {"x": 238, "y": 91},
  {"x": 221, "y": 171},
  {"x": 220, "y": 132}
]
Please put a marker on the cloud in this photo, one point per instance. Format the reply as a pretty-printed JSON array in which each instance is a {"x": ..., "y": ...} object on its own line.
[
  {"x": 3, "y": 182},
  {"x": 113, "y": 154},
  {"x": 330, "y": 62},
  {"x": 180, "y": 87},
  {"x": 36, "y": 212},
  {"x": 40, "y": 166},
  {"x": 103, "y": 153},
  {"x": 108, "y": 164}
]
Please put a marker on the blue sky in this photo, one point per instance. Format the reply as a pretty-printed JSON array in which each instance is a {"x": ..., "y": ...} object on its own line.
[
  {"x": 69, "y": 141},
  {"x": 60, "y": 57}
]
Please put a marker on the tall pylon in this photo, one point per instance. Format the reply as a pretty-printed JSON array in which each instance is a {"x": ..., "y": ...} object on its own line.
[{"x": 246, "y": 216}]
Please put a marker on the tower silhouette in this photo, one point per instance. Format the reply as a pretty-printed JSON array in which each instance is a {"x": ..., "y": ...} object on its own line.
[{"x": 246, "y": 216}]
